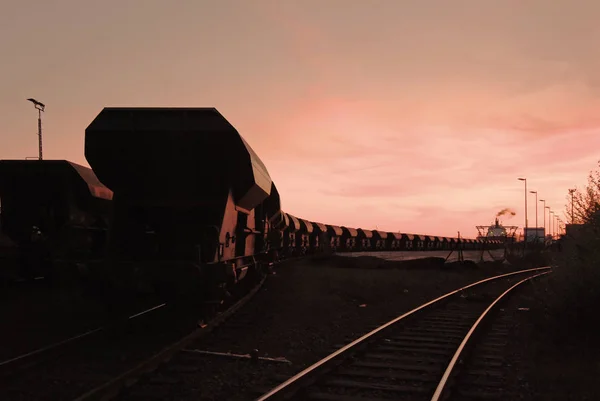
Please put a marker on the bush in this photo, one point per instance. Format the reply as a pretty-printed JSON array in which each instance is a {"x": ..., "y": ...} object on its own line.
[{"x": 570, "y": 295}]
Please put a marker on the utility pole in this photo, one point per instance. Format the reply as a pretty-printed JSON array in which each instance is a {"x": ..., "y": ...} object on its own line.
[{"x": 40, "y": 108}]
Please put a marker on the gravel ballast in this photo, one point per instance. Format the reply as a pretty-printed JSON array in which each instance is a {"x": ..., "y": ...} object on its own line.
[{"x": 305, "y": 311}]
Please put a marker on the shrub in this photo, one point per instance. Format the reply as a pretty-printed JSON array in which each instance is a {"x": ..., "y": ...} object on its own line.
[{"x": 570, "y": 296}]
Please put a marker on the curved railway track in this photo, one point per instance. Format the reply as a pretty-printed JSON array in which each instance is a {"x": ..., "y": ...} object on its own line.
[
  {"x": 416, "y": 356},
  {"x": 98, "y": 363}
]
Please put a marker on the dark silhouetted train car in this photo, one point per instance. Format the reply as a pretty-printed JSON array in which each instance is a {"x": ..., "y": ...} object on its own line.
[
  {"x": 394, "y": 241},
  {"x": 304, "y": 236},
  {"x": 55, "y": 210},
  {"x": 335, "y": 238},
  {"x": 290, "y": 235},
  {"x": 320, "y": 238},
  {"x": 298, "y": 239},
  {"x": 379, "y": 241},
  {"x": 349, "y": 239},
  {"x": 189, "y": 196},
  {"x": 278, "y": 224},
  {"x": 408, "y": 242},
  {"x": 364, "y": 240},
  {"x": 429, "y": 242},
  {"x": 272, "y": 241},
  {"x": 419, "y": 242}
]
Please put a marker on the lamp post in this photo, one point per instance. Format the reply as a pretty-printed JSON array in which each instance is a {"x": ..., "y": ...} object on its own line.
[
  {"x": 559, "y": 227},
  {"x": 549, "y": 226},
  {"x": 40, "y": 108},
  {"x": 572, "y": 192},
  {"x": 536, "y": 214},
  {"x": 526, "y": 227},
  {"x": 551, "y": 220},
  {"x": 544, "y": 212}
]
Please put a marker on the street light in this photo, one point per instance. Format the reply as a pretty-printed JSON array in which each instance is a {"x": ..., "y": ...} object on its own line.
[
  {"x": 526, "y": 227},
  {"x": 40, "y": 108},
  {"x": 536, "y": 213},
  {"x": 559, "y": 227},
  {"x": 549, "y": 225},
  {"x": 544, "y": 212},
  {"x": 572, "y": 191}
]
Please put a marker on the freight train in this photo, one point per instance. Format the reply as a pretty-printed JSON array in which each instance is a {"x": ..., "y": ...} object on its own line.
[
  {"x": 194, "y": 205},
  {"x": 177, "y": 201}
]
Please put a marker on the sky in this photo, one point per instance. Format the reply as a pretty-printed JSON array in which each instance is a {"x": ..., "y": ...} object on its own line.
[{"x": 412, "y": 116}]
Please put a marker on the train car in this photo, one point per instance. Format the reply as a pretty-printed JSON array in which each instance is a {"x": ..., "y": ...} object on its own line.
[
  {"x": 349, "y": 239},
  {"x": 277, "y": 223},
  {"x": 300, "y": 235},
  {"x": 429, "y": 242},
  {"x": 394, "y": 241},
  {"x": 408, "y": 242},
  {"x": 319, "y": 238},
  {"x": 290, "y": 236},
  {"x": 272, "y": 238},
  {"x": 335, "y": 234},
  {"x": 379, "y": 241},
  {"x": 56, "y": 211},
  {"x": 419, "y": 242},
  {"x": 364, "y": 240},
  {"x": 305, "y": 235},
  {"x": 191, "y": 198}
]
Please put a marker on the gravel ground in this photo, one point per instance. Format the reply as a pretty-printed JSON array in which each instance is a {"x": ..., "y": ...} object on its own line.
[
  {"x": 545, "y": 367},
  {"x": 305, "y": 311},
  {"x": 39, "y": 314}
]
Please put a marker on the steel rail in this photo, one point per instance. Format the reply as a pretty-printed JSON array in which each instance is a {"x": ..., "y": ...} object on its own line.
[
  {"x": 278, "y": 390},
  {"x": 69, "y": 340},
  {"x": 111, "y": 388},
  {"x": 444, "y": 381}
]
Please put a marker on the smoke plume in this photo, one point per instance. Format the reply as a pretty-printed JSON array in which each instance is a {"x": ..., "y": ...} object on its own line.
[{"x": 506, "y": 211}]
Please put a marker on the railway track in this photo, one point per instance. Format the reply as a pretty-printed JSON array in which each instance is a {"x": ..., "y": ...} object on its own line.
[
  {"x": 98, "y": 363},
  {"x": 429, "y": 353}
]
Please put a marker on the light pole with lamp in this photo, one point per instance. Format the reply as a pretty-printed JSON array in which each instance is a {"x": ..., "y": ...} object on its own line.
[
  {"x": 40, "y": 108},
  {"x": 544, "y": 213},
  {"x": 536, "y": 214},
  {"x": 549, "y": 225},
  {"x": 526, "y": 227}
]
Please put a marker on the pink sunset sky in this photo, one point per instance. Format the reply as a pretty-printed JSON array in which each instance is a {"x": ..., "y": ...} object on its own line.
[{"x": 414, "y": 116}]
